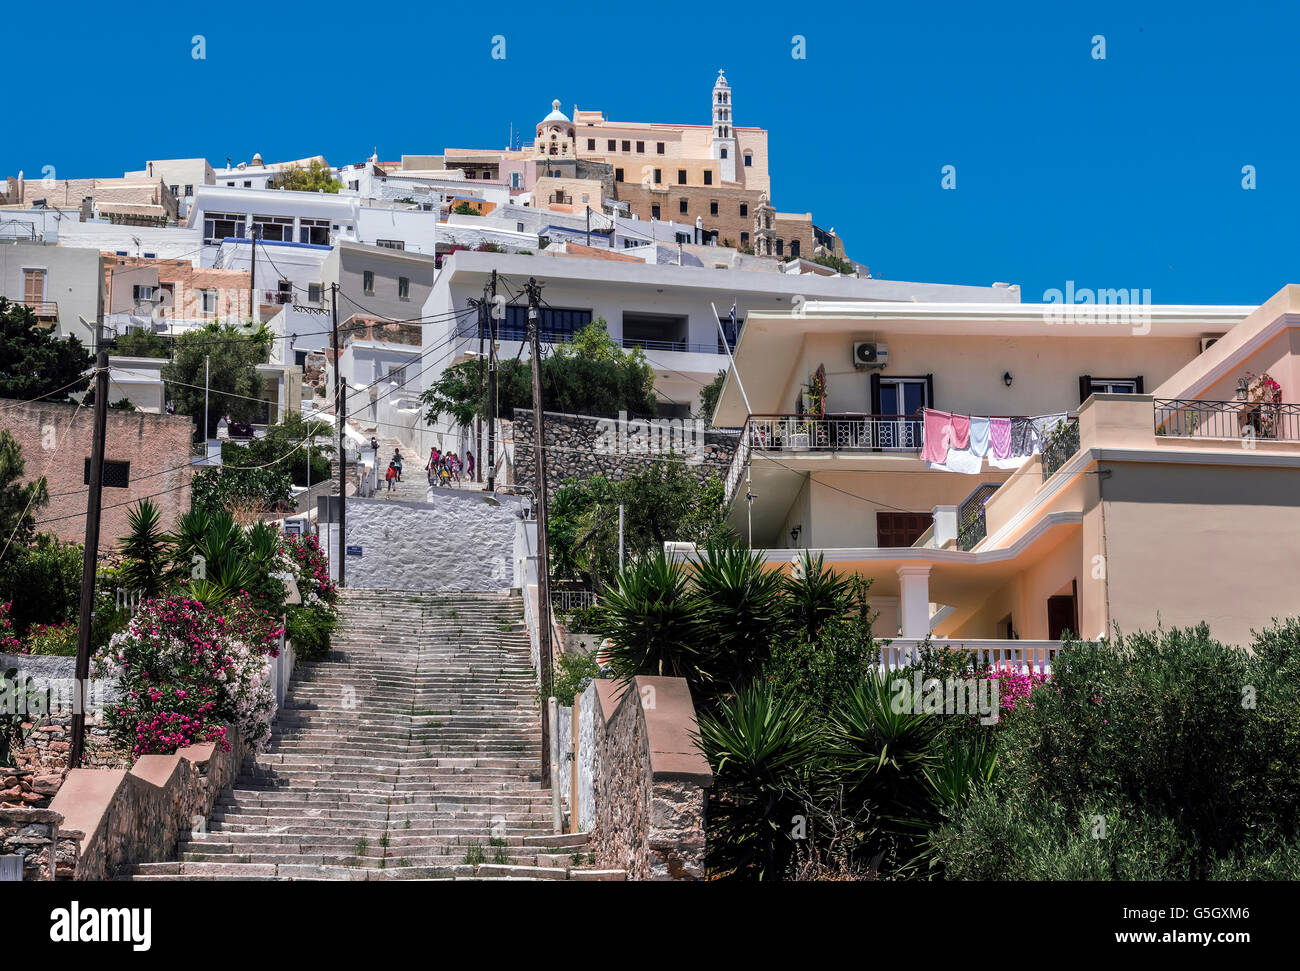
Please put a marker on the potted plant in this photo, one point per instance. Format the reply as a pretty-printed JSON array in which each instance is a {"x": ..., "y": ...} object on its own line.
[{"x": 1263, "y": 405}]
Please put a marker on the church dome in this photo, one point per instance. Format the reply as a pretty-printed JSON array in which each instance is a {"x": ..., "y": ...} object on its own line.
[{"x": 556, "y": 114}]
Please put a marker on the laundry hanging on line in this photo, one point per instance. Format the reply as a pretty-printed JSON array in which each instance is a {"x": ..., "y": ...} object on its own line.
[{"x": 961, "y": 443}]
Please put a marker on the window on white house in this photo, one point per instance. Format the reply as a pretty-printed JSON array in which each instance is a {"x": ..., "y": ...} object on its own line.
[
  {"x": 314, "y": 292},
  {"x": 189, "y": 190},
  {"x": 368, "y": 282},
  {"x": 222, "y": 225},
  {"x": 142, "y": 293},
  {"x": 277, "y": 229},
  {"x": 391, "y": 243},
  {"x": 403, "y": 288},
  {"x": 314, "y": 231}
]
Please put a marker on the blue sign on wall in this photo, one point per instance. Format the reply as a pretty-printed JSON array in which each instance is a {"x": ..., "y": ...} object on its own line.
[{"x": 354, "y": 551}]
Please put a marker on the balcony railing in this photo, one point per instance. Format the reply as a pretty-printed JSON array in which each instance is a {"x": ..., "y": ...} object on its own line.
[
  {"x": 1059, "y": 446},
  {"x": 565, "y": 601},
  {"x": 682, "y": 346},
  {"x": 830, "y": 433},
  {"x": 1191, "y": 418},
  {"x": 971, "y": 526},
  {"x": 1023, "y": 656},
  {"x": 44, "y": 309}
]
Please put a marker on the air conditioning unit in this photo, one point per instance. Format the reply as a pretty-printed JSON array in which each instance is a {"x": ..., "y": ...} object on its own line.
[
  {"x": 870, "y": 354},
  {"x": 1209, "y": 341}
]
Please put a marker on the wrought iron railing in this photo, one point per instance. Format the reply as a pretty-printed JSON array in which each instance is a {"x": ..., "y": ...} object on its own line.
[
  {"x": 1059, "y": 445},
  {"x": 564, "y": 601},
  {"x": 971, "y": 526},
  {"x": 1191, "y": 418},
  {"x": 830, "y": 433},
  {"x": 841, "y": 432}
]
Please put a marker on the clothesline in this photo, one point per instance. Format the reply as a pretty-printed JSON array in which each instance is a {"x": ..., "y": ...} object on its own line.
[{"x": 961, "y": 443}]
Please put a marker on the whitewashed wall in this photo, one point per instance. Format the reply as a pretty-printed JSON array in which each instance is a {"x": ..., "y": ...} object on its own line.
[{"x": 457, "y": 541}]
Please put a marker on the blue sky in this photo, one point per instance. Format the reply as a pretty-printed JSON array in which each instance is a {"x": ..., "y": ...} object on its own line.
[{"x": 1123, "y": 172}]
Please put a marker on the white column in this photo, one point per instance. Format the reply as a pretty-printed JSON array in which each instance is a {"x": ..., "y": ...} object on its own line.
[{"x": 914, "y": 592}]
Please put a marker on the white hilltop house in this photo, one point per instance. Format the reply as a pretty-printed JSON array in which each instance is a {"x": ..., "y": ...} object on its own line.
[{"x": 667, "y": 311}]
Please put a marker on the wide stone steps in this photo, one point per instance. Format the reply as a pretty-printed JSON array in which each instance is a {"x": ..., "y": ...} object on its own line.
[{"x": 411, "y": 752}]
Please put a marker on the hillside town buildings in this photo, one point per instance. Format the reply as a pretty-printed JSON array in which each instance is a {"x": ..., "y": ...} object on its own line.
[{"x": 671, "y": 235}]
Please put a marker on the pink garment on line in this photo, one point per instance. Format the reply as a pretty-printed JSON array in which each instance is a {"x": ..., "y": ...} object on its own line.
[
  {"x": 1000, "y": 437},
  {"x": 960, "y": 432},
  {"x": 938, "y": 434}
]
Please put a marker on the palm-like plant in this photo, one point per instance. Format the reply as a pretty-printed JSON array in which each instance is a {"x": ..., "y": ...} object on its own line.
[
  {"x": 763, "y": 748},
  {"x": 650, "y": 619},
  {"x": 738, "y": 605},
  {"x": 817, "y": 594},
  {"x": 884, "y": 749},
  {"x": 147, "y": 550}
]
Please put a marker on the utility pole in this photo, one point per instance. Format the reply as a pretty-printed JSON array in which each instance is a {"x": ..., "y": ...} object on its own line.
[
  {"x": 543, "y": 558},
  {"x": 482, "y": 380},
  {"x": 207, "y": 366},
  {"x": 252, "y": 272},
  {"x": 620, "y": 537},
  {"x": 589, "y": 225},
  {"x": 341, "y": 413},
  {"x": 91, "y": 555},
  {"x": 492, "y": 392}
]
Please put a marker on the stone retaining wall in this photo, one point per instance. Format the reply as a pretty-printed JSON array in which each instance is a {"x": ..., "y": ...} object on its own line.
[
  {"x": 579, "y": 447},
  {"x": 41, "y": 762},
  {"x": 137, "y": 815},
  {"x": 648, "y": 781},
  {"x": 32, "y": 834}
]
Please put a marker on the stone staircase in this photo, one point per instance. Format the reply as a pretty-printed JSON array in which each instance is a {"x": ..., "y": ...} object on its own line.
[
  {"x": 414, "y": 486},
  {"x": 412, "y": 751}
]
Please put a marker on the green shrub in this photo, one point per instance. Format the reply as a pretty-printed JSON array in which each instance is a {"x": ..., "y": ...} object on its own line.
[
  {"x": 53, "y": 639},
  {"x": 309, "y": 630},
  {"x": 43, "y": 581},
  {"x": 1185, "y": 749},
  {"x": 572, "y": 673},
  {"x": 215, "y": 489},
  {"x": 818, "y": 669}
]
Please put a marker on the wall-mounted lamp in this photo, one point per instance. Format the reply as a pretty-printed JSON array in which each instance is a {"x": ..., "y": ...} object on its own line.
[
  {"x": 1243, "y": 386},
  {"x": 794, "y": 534},
  {"x": 1006, "y": 378}
]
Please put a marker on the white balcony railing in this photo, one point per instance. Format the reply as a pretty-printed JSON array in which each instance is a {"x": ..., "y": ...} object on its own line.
[{"x": 1022, "y": 656}]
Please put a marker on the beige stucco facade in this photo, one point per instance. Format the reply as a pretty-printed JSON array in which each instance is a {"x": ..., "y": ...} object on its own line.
[{"x": 1166, "y": 513}]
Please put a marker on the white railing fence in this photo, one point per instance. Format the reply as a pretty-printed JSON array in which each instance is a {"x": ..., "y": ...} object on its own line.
[{"x": 1023, "y": 656}]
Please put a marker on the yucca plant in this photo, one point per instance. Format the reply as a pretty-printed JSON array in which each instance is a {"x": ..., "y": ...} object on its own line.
[
  {"x": 884, "y": 750},
  {"x": 763, "y": 748},
  {"x": 817, "y": 594},
  {"x": 739, "y": 607},
  {"x": 148, "y": 551},
  {"x": 651, "y": 621}
]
